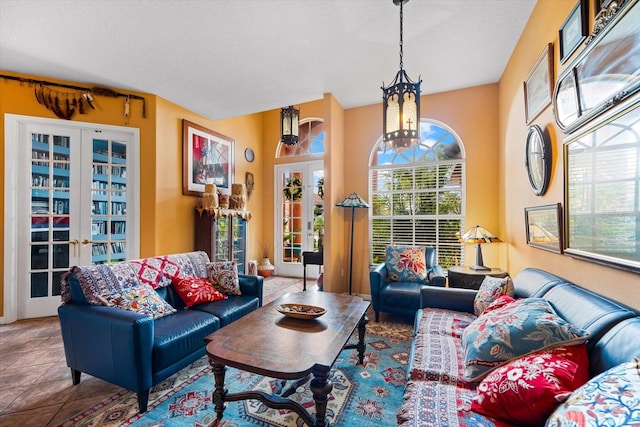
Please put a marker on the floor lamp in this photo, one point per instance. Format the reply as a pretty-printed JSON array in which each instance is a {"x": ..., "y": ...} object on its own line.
[{"x": 352, "y": 201}]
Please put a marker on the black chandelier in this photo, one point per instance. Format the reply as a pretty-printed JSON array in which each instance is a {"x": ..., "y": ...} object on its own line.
[
  {"x": 401, "y": 106},
  {"x": 289, "y": 125}
]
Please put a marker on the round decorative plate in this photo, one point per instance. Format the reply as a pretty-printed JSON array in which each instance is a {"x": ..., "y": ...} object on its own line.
[
  {"x": 249, "y": 155},
  {"x": 301, "y": 311}
]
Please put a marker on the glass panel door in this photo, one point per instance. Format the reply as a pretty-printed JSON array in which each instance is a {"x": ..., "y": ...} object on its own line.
[
  {"x": 108, "y": 201},
  {"x": 300, "y": 215}
]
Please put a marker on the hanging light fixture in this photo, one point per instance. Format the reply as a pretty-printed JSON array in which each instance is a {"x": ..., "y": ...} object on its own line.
[
  {"x": 401, "y": 106},
  {"x": 289, "y": 125}
]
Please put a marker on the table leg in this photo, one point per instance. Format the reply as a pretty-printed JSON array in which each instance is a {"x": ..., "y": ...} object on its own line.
[
  {"x": 321, "y": 387},
  {"x": 219, "y": 392},
  {"x": 361, "y": 331}
]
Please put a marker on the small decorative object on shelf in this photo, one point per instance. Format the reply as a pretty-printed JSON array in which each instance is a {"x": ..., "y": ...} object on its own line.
[
  {"x": 238, "y": 199},
  {"x": 210, "y": 197},
  {"x": 223, "y": 200}
]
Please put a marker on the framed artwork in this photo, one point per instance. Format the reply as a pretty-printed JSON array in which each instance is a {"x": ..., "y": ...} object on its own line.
[
  {"x": 249, "y": 182},
  {"x": 602, "y": 201},
  {"x": 544, "y": 227},
  {"x": 605, "y": 73},
  {"x": 538, "y": 85},
  {"x": 574, "y": 30},
  {"x": 207, "y": 158},
  {"x": 538, "y": 159}
]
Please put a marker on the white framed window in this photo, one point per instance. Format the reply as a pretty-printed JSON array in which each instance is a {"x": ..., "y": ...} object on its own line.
[{"x": 418, "y": 195}]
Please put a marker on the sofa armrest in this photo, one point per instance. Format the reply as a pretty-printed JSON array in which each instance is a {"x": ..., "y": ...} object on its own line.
[
  {"x": 377, "y": 280},
  {"x": 251, "y": 285},
  {"x": 455, "y": 299},
  {"x": 109, "y": 343},
  {"x": 436, "y": 276}
]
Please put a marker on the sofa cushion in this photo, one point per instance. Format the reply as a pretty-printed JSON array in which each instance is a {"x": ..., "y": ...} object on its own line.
[
  {"x": 526, "y": 391},
  {"x": 156, "y": 271},
  {"x": 517, "y": 329},
  {"x": 490, "y": 289},
  {"x": 609, "y": 399},
  {"x": 196, "y": 290},
  {"x": 180, "y": 335},
  {"x": 406, "y": 263},
  {"x": 230, "y": 309},
  {"x": 401, "y": 294},
  {"x": 141, "y": 299},
  {"x": 224, "y": 277}
]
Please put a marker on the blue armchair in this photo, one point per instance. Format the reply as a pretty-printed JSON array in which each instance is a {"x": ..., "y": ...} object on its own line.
[{"x": 402, "y": 298}]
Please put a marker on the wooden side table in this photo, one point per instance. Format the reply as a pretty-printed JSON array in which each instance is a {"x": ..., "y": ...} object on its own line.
[
  {"x": 464, "y": 277},
  {"x": 313, "y": 258}
]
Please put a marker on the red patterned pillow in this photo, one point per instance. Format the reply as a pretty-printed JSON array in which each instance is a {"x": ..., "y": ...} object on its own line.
[
  {"x": 527, "y": 390},
  {"x": 157, "y": 271},
  {"x": 500, "y": 302},
  {"x": 196, "y": 290}
]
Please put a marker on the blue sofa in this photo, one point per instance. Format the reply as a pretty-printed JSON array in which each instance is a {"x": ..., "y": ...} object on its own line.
[
  {"x": 436, "y": 391},
  {"x": 133, "y": 350},
  {"x": 402, "y": 298}
]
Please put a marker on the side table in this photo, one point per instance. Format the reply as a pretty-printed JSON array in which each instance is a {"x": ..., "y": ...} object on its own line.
[
  {"x": 313, "y": 258},
  {"x": 465, "y": 277}
]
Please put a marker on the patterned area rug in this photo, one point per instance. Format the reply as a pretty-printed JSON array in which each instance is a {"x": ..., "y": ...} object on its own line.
[{"x": 363, "y": 395}]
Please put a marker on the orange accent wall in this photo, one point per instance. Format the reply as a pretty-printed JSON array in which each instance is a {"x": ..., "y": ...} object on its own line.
[{"x": 515, "y": 193}]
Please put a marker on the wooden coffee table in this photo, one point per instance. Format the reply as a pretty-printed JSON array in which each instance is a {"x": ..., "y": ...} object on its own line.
[{"x": 265, "y": 342}]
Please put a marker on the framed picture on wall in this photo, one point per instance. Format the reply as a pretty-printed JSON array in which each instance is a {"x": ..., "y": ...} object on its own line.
[
  {"x": 207, "y": 158},
  {"x": 574, "y": 30},
  {"x": 538, "y": 86},
  {"x": 544, "y": 227}
]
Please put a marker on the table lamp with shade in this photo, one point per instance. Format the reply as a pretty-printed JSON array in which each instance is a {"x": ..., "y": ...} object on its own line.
[{"x": 479, "y": 236}]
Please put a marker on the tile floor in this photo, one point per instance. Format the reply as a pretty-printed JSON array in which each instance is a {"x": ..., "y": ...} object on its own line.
[{"x": 35, "y": 382}]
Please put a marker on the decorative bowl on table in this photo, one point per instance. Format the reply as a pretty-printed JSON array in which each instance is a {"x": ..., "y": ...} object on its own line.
[{"x": 301, "y": 311}]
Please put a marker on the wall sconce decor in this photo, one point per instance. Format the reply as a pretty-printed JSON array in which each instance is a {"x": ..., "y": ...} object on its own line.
[
  {"x": 289, "y": 125},
  {"x": 401, "y": 106},
  {"x": 479, "y": 235},
  {"x": 352, "y": 201}
]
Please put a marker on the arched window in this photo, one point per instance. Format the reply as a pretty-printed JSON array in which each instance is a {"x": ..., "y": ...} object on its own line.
[
  {"x": 311, "y": 137},
  {"x": 417, "y": 194}
]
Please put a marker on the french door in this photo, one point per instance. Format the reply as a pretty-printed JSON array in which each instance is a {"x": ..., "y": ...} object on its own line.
[
  {"x": 74, "y": 203},
  {"x": 299, "y": 215}
]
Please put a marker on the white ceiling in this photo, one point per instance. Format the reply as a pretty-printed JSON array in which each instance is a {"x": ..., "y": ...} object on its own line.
[{"x": 225, "y": 58}]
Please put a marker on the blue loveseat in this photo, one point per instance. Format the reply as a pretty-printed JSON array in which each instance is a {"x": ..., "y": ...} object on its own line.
[
  {"x": 402, "y": 297},
  {"x": 437, "y": 392},
  {"x": 133, "y": 350}
]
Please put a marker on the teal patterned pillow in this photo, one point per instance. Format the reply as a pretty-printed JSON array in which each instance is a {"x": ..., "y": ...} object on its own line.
[
  {"x": 609, "y": 399},
  {"x": 141, "y": 299},
  {"x": 514, "y": 330},
  {"x": 406, "y": 264}
]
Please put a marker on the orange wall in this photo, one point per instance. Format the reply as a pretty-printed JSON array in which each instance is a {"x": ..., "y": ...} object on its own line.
[
  {"x": 515, "y": 194},
  {"x": 473, "y": 114}
]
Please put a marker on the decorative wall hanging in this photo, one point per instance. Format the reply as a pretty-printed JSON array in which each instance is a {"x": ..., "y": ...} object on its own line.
[
  {"x": 249, "y": 182},
  {"x": 249, "y": 155},
  {"x": 538, "y": 159},
  {"x": 574, "y": 30},
  {"x": 602, "y": 201},
  {"x": 207, "y": 158},
  {"x": 544, "y": 227},
  {"x": 66, "y": 104},
  {"x": 604, "y": 74},
  {"x": 538, "y": 85}
]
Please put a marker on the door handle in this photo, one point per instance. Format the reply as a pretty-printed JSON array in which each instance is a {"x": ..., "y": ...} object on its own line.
[
  {"x": 86, "y": 242},
  {"x": 74, "y": 242}
]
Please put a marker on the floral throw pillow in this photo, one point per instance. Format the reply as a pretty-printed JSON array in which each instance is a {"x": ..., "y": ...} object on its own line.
[
  {"x": 224, "y": 277},
  {"x": 141, "y": 299},
  {"x": 490, "y": 289},
  {"x": 527, "y": 390},
  {"x": 608, "y": 399},
  {"x": 196, "y": 290},
  {"x": 517, "y": 329},
  {"x": 406, "y": 264}
]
